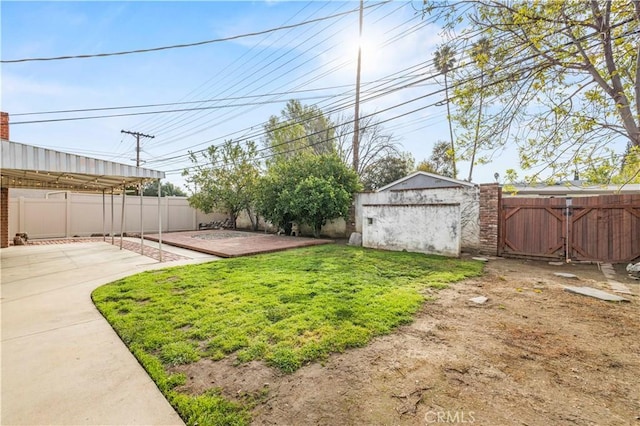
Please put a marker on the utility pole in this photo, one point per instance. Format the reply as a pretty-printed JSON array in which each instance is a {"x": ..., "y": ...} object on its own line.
[
  {"x": 138, "y": 135},
  {"x": 356, "y": 118}
]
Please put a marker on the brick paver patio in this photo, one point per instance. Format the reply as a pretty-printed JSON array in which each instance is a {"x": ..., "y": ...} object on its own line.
[
  {"x": 151, "y": 252},
  {"x": 225, "y": 243}
]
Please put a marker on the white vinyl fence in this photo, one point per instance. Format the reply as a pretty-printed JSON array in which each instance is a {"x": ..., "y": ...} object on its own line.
[
  {"x": 71, "y": 214},
  {"x": 43, "y": 214}
]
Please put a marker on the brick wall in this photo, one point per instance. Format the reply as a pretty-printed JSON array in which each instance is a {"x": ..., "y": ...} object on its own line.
[
  {"x": 4, "y": 125},
  {"x": 4, "y": 217},
  {"x": 4, "y": 192},
  {"x": 490, "y": 195}
]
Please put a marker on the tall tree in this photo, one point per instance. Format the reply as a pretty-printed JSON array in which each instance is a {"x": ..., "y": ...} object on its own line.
[
  {"x": 630, "y": 167},
  {"x": 299, "y": 128},
  {"x": 386, "y": 170},
  {"x": 568, "y": 76},
  {"x": 440, "y": 162},
  {"x": 615, "y": 169},
  {"x": 168, "y": 190},
  {"x": 374, "y": 142},
  {"x": 225, "y": 177},
  {"x": 444, "y": 60},
  {"x": 480, "y": 53}
]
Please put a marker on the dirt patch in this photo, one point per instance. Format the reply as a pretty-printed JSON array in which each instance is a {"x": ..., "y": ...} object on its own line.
[{"x": 533, "y": 354}]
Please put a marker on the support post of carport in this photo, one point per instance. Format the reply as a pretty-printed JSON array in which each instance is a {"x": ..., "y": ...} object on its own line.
[
  {"x": 104, "y": 218},
  {"x": 122, "y": 217},
  {"x": 141, "y": 221},
  {"x": 112, "y": 215},
  {"x": 159, "y": 220},
  {"x": 4, "y": 217}
]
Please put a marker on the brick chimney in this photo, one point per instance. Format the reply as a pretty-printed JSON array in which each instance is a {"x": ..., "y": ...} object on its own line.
[{"x": 4, "y": 125}]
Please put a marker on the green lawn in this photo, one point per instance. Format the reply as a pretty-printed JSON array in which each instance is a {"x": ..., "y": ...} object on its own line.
[{"x": 287, "y": 309}]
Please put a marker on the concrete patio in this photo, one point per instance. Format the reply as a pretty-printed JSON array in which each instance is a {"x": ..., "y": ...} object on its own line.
[{"x": 62, "y": 363}]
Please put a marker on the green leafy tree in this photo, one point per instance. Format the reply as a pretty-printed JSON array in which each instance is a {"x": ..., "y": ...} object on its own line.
[
  {"x": 299, "y": 128},
  {"x": 440, "y": 162},
  {"x": 614, "y": 170},
  {"x": 225, "y": 177},
  {"x": 630, "y": 168},
  {"x": 386, "y": 170},
  {"x": 425, "y": 166},
  {"x": 275, "y": 194},
  {"x": 308, "y": 189},
  {"x": 469, "y": 100},
  {"x": 444, "y": 60},
  {"x": 168, "y": 190},
  {"x": 565, "y": 78}
]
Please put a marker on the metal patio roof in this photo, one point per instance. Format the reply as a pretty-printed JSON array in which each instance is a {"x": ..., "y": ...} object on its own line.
[{"x": 28, "y": 166}]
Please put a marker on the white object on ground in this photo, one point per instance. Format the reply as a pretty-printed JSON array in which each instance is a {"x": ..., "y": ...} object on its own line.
[{"x": 598, "y": 294}]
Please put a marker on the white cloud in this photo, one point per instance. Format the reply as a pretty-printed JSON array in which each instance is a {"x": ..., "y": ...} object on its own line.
[{"x": 42, "y": 92}]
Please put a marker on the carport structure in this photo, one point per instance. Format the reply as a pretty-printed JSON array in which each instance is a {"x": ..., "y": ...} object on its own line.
[{"x": 32, "y": 167}]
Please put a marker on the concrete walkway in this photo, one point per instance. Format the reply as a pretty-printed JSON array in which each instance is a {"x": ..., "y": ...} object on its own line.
[{"x": 62, "y": 364}]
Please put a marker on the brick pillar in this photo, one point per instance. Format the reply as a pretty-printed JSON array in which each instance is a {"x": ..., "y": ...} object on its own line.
[
  {"x": 4, "y": 217},
  {"x": 4, "y": 125},
  {"x": 490, "y": 195},
  {"x": 4, "y": 192}
]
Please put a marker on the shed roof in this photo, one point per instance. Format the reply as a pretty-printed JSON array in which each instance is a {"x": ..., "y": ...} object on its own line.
[
  {"x": 424, "y": 180},
  {"x": 28, "y": 166}
]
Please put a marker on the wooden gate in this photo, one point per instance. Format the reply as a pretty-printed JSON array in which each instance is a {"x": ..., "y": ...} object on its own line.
[{"x": 604, "y": 228}]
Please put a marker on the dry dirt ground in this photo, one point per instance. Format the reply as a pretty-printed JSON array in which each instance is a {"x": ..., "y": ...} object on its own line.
[{"x": 534, "y": 354}]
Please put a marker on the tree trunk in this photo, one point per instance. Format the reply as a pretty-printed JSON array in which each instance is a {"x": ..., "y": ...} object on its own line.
[
  {"x": 475, "y": 140},
  {"x": 254, "y": 219},
  {"x": 453, "y": 148}
]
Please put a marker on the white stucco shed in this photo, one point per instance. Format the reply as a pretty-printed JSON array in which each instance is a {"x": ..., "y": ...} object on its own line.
[{"x": 422, "y": 212}]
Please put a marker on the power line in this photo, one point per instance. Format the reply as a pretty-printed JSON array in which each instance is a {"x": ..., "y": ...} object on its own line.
[
  {"x": 195, "y": 109},
  {"x": 344, "y": 94},
  {"x": 160, "y": 111},
  {"x": 238, "y": 70},
  {"x": 302, "y": 84},
  {"x": 503, "y": 79},
  {"x": 256, "y": 82},
  {"x": 218, "y": 77},
  {"x": 180, "y": 46},
  {"x": 335, "y": 108},
  {"x": 233, "y": 98},
  {"x": 269, "y": 155}
]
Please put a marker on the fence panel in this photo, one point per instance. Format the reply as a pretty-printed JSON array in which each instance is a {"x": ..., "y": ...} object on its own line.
[
  {"x": 532, "y": 227},
  {"x": 604, "y": 228},
  {"x": 46, "y": 218}
]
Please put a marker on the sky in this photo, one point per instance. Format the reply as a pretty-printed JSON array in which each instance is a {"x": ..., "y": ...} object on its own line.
[{"x": 235, "y": 85}]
